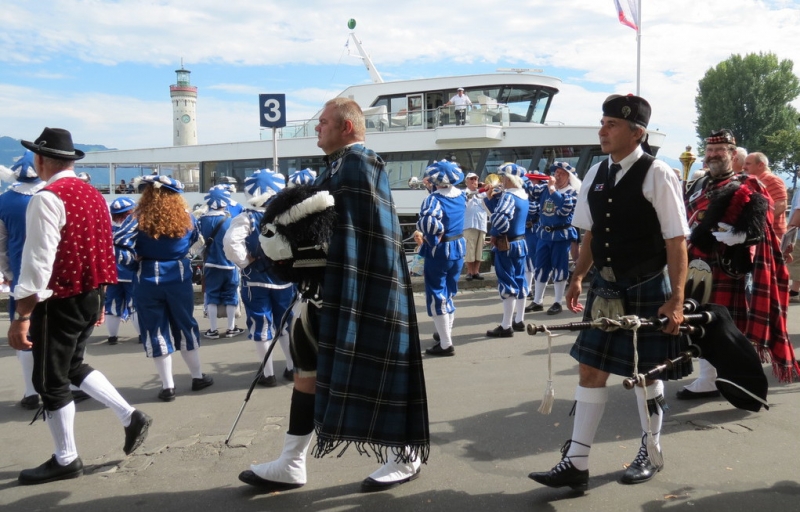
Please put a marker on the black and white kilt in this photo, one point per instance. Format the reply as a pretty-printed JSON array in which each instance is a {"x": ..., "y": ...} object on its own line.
[{"x": 613, "y": 352}]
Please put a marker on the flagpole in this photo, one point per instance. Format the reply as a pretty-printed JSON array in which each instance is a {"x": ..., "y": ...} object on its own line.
[{"x": 638, "y": 47}]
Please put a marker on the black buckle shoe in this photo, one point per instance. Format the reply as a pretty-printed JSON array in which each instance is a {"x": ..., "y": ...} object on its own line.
[
  {"x": 641, "y": 469},
  {"x": 51, "y": 471},
  {"x": 202, "y": 383},
  {"x": 499, "y": 332},
  {"x": 136, "y": 432},
  {"x": 533, "y": 307},
  {"x": 518, "y": 326}
]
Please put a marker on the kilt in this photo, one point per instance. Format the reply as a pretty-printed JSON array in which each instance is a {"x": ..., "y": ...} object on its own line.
[{"x": 612, "y": 352}]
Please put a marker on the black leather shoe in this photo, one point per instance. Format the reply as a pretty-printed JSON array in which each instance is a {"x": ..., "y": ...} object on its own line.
[
  {"x": 51, "y": 471},
  {"x": 564, "y": 474},
  {"x": 113, "y": 340},
  {"x": 30, "y": 402},
  {"x": 518, "y": 326},
  {"x": 136, "y": 432},
  {"x": 288, "y": 374},
  {"x": 469, "y": 277},
  {"x": 167, "y": 395},
  {"x": 685, "y": 394},
  {"x": 554, "y": 309},
  {"x": 499, "y": 332},
  {"x": 371, "y": 485},
  {"x": 251, "y": 478},
  {"x": 79, "y": 396},
  {"x": 436, "y": 337},
  {"x": 641, "y": 469},
  {"x": 477, "y": 277},
  {"x": 533, "y": 307},
  {"x": 202, "y": 383},
  {"x": 267, "y": 382},
  {"x": 437, "y": 350}
]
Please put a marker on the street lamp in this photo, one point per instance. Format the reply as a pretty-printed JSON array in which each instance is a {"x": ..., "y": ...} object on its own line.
[{"x": 687, "y": 158}]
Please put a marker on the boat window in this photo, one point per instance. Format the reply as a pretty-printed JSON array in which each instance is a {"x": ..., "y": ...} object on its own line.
[
  {"x": 401, "y": 167},
  {"x": 468, "y": 159},
  {"x": 497, "y": 157},
  {"x": 569, "y": 154}
]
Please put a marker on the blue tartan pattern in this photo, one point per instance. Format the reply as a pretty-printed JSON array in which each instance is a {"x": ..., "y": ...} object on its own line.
[
  {"x": 370, "y": 381},
  {"x": 612, "y": 352}
]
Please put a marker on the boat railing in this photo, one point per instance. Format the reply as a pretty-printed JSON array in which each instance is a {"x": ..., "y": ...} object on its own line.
[{"x": 378, "y": 119}]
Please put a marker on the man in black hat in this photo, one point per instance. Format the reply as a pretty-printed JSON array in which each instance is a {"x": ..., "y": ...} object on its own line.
[
  {"x": 632, "y": 209},
  {"x": 66, "y": 261}
]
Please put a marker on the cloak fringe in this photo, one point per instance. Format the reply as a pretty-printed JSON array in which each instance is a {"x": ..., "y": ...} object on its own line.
[{"x": 401, "y": 454}]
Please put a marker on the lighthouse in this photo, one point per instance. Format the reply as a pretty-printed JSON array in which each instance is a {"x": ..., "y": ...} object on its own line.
[{"x": 184, "y": 110}]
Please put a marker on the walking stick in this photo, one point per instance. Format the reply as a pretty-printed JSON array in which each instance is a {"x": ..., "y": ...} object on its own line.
[{"x": 261, "y": 368}]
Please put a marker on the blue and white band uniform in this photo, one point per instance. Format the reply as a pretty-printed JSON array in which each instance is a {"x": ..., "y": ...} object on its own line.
[
  {"x": 509, "y": 219},
  {"x": 221, "y": 277},
  {"x": 441, "y": 222},
  {"x": 531, "y": 226},
  {"x": 119, "y": 297},
  {"x": 555, "y": 232}
]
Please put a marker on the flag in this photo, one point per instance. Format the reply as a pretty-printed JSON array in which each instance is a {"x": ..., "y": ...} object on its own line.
[{"x": 628, "y": 15}]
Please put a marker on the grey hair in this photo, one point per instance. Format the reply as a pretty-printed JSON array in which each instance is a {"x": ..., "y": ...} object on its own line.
[{"x": 348, "y": 110}]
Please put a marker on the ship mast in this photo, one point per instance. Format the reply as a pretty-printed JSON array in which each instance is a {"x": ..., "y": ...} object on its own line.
[{"x": 376, "y": 77}]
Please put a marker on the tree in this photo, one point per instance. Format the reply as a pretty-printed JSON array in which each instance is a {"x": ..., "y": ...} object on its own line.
[{"x": 751, "y": 96}]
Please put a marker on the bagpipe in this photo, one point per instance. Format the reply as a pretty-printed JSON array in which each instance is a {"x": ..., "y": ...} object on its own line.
[{"x": 710, "y": 333}]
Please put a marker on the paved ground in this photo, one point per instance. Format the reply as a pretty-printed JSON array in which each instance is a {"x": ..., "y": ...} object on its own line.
[{"x": 486, "y": 437}]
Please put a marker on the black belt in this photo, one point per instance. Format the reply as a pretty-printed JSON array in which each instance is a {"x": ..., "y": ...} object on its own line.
[
  {"x": 451, "y": 238},
  {"x": 550, "y": 229},
  {"x": 517, "y": 238}
]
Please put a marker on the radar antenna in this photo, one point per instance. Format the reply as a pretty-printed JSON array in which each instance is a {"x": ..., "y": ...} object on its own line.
[{"x": 376, "y": 77}]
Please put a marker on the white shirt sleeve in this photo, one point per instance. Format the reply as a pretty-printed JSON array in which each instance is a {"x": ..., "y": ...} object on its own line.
[
  {"x": 662, "y": 188},
  {"x": 5, "y": 264},
  {"x": 234, "y": 242},
  {"x": 44, "y": 219}
]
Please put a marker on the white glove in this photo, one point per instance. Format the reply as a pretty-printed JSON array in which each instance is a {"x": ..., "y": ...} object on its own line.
[{"x": 728, "y": 237}]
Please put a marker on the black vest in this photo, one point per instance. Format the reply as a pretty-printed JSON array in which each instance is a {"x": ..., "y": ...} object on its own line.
[{"x": 626, "y": 234}]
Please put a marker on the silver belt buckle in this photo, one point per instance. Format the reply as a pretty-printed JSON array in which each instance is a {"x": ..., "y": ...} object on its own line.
[{"x": 607, "y": 273}]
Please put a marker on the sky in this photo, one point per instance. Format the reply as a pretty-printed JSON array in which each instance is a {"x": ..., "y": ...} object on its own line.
[{"x": 102, "y": 68}]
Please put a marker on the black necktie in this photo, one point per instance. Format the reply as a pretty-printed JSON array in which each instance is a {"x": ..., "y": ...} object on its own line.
[{"x": 612, "y": 174}]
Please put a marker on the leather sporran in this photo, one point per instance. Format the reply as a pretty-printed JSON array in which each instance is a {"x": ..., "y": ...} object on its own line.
[
  {"x": 501, "y": 242},
  {"x": 608, "y": 303}
]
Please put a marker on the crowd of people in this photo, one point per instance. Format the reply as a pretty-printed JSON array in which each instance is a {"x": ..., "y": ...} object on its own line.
[{"x": 318, "y": 264}]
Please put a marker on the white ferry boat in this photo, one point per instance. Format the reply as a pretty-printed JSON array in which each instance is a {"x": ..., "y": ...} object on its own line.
[{"x": 407, "y": 125}]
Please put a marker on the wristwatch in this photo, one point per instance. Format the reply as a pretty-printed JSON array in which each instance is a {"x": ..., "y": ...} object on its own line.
[{"x": 22, "y": 318}]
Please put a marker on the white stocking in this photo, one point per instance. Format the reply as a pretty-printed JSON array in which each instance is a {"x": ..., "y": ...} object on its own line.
[
  {"x": 508, "y": 312},
  {"x": 538, "y": 292},
  {"x": 261, "y": 351},
  {"x": 26, "y": 361},
  {"x": 97, "y": 386},
  {"x": 212, "y": 316},
  {"x": 230, "y": 311},
  {"x": 589, "y": 407},
  {"x": 559, "y": 287},
  {"x": 192, "y": 360},
  {"x": 164, "y": 369},
  {"x": 61, "y": 423},
  {"x": 112, "y": 323},
  {"x": 519, "y": 310},
  {"x": 442, "y": 324}
]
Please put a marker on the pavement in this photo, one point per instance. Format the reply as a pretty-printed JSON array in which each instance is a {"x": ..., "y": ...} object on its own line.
[{"x": 486, "y": 435}]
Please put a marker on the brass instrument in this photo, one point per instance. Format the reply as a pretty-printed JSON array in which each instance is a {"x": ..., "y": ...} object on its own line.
[{"x": 493, "y": 185}]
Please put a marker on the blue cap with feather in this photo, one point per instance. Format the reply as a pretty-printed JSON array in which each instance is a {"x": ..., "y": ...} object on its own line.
[
  {"x": 23, "y": 168},
  {"x": 262, "y": 185},
  {"x": 218, "y": 197},
  {"x": 122, "y": 205},
  {"x": 444, "y": 173},
  {"x": 304, "y": 177}
]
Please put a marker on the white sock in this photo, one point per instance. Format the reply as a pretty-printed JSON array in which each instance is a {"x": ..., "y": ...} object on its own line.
[
  {"x": 283, "y": 339},
  {"x": 25, "y": 358},
  {"x": 61, "y": 423},
  {"x": 98, "y": 387},
  {"x": 112, "y": 323},
  {"x": 231, "y": 312},
  {"x": 192, "y": 360},
  {"x": 559, "y": 287},
  {"x": 519, "y": 310},
  {"x": 591, "y": 403},
  {"x": 261, "y": 351},
  {"x": 508, "y": 312},
  {"x": 529, "y": 278},
  {"x": 164, "y": 368},
  {"x": 705, "y": 381},
  {"x": 135, "y": 320},
  {"x": 538, "y": 292},
  {"x": 654, "y": 390},
  {"x": 442, "y": 324},
  {"x": 212, "y": 316}
]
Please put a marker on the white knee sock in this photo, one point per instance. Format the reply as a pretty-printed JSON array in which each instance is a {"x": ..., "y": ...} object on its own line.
[
  {"x": 529, "y": 278},
  {"x": 164, "y": 368},
  {"x": 705, "y": 381},
  {"x": 112, "y": 323},
  {"x": 192, "y": 360},
  {"x": 519, "y": 310},
  {"x": 231, "y": 312},
  {"x": 61, "y": 423},
  {"x": 538, "y": 292},
  {"x": 135, "y": 321},
  {"x": 442, "y": 324},
  {"x": 508, "y": 312},
  {"x": 654, "y": 391},
  {"x": 591, "y": 403},
  {"x": 559, "y": 287},
  {"x": 212, "y": 316},
  {"x": 25, "y": 358},
  {"x": 98, "y": 387},
  {"x": 261, "y": 351},
  {"x": 283, "y": 339}
]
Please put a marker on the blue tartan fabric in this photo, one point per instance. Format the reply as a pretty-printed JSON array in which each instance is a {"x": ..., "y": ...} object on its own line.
[
  {"x": 613, "y": 351},
  {"x": 370, "y": 382}
]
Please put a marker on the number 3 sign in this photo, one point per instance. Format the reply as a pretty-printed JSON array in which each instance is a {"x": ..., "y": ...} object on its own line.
[{"x": 272, "y": 110}]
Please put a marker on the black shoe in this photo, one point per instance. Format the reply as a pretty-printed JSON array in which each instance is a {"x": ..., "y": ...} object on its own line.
[
  {"x": 251, "y": 478},
  {"x": 371, "y": 485},
  {"x": 685, "y": 394},
  {"x": 51, "y": 471},
  {"x": 518, "y": 326},
  {"x": 564, "y": 474},
  {"x": 211, "y": 335},
  {"x": 499, "y": 332},
  {"x": 113, "y": 340},
  {"x": 468, "y": 278},
  {"x": 437, "y": 350},
  {"x": 554, "y": 309},
  {"x": 477, "y": 277},
  {"x": 232, "y": 333},
  {"x": 30, "y": 402},
  {"x": 267, "y": 382},
  {"x": 288, "y": 374},
  {"x": 79, "y": 396},
  {"x": 167, "y": 395},
  {"x": 436, "y": 337},
  {"x": 136, "y": 432},
  {"x": 202, "y": 383},
  {"x": 641, "y": 469},
  {"x": 533, "y": 307}
]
